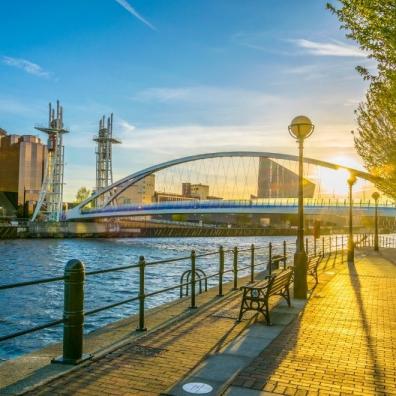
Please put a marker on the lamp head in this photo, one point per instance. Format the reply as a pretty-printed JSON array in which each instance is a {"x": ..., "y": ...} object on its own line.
[
  {"x": 375, "y": 196},
  {"x": 352, "y": 179},
  {"x": 301, "y": 127}
]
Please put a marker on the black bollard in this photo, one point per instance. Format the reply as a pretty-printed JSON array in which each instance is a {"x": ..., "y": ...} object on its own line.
[
  {"x": 142, "y": 296},
  {"x": 73, "y": 314}
]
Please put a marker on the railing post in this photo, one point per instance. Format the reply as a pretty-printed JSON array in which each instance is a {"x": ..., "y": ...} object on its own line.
[
  {"x": 235, "y": 268},
  {"x": 336, "y": 245},
  {"x": 306, "y": 245},
  {"x": 323, "y": 246},
  {"x": 314, "y": 246},
  {"x": 270, "y": 259},
  {"x": 284, "y": 255},
  {"x": 73, "y": 313},
  {"x": 142, "y": 296},
  {"x": 252, "y": 263},
  {"x": 342, "y": 248},
  {"x": 221, "y": 270},
  {"x": 193, "y": 305}
]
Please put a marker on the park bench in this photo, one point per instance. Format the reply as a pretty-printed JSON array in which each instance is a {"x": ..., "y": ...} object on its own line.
[
  {"x": 255, "y": 297},
  {"x": 312, "y": 266}
]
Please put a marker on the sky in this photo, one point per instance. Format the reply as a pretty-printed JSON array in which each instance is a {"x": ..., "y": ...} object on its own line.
[{"x": 182, "y": 77}]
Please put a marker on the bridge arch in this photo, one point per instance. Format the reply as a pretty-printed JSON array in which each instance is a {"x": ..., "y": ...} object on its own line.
[{"x": 114, "y": 190}]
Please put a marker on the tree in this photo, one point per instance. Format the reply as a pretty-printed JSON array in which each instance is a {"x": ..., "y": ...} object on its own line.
[
  {"x": 82, "y": 194},
  {"x": 371, "y": 23},
  {"x": 375, "y": 140}
]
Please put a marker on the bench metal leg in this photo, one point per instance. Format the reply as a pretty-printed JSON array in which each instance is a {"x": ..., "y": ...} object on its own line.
[
  {"x": 288, "y": 296},
  {"x": 267, "y": 314}
]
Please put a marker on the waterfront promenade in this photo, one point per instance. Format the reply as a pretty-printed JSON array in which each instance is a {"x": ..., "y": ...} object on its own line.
[{"x": 343, "y": 341}]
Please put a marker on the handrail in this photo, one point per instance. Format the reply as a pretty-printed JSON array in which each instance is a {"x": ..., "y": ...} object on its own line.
[
  {"x": 31, "y": 330},
  {"x": 32, "y": 282},
  {"x": 208, "y": 204},
  {"x": 324, "y": 246}
]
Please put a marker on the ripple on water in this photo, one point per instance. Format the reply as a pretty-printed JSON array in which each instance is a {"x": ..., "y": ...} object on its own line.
[{"x": 23, "y": 260}]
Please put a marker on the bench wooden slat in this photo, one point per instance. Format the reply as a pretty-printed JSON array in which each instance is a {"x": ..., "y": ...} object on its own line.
[
  {"x": 312, "y": 266},
  {"x": 256, "y": 296}
]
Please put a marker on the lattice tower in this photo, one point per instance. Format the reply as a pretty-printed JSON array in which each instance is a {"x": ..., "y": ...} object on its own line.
[
  {"x": 51, "y": 195},
  {"x": 105, "y": 140}
]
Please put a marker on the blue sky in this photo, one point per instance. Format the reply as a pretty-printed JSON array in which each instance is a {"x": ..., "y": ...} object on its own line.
[{"x": 181, "y": 77}]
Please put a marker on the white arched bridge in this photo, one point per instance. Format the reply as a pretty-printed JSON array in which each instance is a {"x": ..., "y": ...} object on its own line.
[{"x": 234, "y": 176}]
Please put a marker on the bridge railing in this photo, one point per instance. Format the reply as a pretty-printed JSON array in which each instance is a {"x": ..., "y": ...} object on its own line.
[
  {"x": 232, "y": 265},
  {"x": 225, "y": 204}
]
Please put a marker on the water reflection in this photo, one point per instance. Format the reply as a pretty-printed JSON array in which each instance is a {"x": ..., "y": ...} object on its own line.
[{"x": 29, "y": 306}]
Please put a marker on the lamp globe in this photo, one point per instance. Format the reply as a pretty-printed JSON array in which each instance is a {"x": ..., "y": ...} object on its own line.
[{"x": 301, "y": 127}]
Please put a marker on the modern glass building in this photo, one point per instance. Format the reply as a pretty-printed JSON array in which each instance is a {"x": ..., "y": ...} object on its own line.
[{"x": 276, "y": 181}]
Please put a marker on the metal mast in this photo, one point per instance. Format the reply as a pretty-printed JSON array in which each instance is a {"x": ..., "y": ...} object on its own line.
[
  {"x": 51, "y": 194},
  {"x": 105, "y": 140}
]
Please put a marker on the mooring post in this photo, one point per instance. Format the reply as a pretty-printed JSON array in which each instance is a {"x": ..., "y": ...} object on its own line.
[
  {"x": 284, "y": 254},
  {"x": 252, "y": 263},
  {"x": 221, "y": 270},
  {"x": 306, "y": 246},
  {"x": 270, "y": 259},
  {"x": 73, "y": 313},
  {"x": 142, "y": 296},
  {"x": 193, "y": 305}
]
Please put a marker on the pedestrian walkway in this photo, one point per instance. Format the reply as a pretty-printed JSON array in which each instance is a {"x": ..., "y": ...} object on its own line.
[
  {"x": 343, "y": 343},
  {"x": 151, "y": 364}
]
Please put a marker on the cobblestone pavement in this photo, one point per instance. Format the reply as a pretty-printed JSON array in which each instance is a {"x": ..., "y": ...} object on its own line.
[
  {"x": 343, "y": 343},
  {"x": 154, "y": 362}
]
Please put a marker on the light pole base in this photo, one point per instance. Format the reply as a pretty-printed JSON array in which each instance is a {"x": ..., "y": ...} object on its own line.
[
  {"x": 300, "y": 275},
  {"x": 351, "y": 252}
]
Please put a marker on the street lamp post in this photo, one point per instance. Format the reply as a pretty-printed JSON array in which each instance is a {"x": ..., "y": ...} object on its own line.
[
  {"x": 351, "y": 247},
  {"x": 300, "y": 128},
  {"x": 376, "y": 197}
]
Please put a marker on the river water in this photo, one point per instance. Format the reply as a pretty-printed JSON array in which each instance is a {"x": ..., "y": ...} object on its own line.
[{"x": 22, "y": 260}]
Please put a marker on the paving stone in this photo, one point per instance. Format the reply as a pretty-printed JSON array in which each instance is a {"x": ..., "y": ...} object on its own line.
[
  {"x": 247, "y": 346},
  {"x": 344, "y": 342}
]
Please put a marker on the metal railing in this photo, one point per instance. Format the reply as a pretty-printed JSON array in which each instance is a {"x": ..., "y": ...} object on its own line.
[
  {"x": 74, "y": 277},
  {"x": 367, "y": 240},
  {"x": 224, "y": 204}
]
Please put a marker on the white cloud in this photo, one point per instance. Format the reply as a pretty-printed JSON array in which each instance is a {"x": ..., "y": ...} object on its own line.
[
  {"x": 131, "y": 10},
  {"x": 125, "y": 127},
  {"x": 205, "y": 95},
  {"x": 256, "y": 40},
  {"x": 300, "y": 70},
  {"x": 335, "y": 48},
  {"x": 163, "y": 94},
  {"x": 25, "y": 65}
]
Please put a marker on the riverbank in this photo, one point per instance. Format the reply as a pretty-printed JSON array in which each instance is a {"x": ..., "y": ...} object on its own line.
[{"x": 65, "y": 230}]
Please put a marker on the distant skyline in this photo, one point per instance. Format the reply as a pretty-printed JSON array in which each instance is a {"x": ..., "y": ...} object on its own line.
[{"x": 180, "y": 77}]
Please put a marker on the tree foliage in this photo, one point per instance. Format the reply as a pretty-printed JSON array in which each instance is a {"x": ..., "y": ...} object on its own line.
[
  {"x": 372, "y": 24},
  {"x": 82, "y": 194}
]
